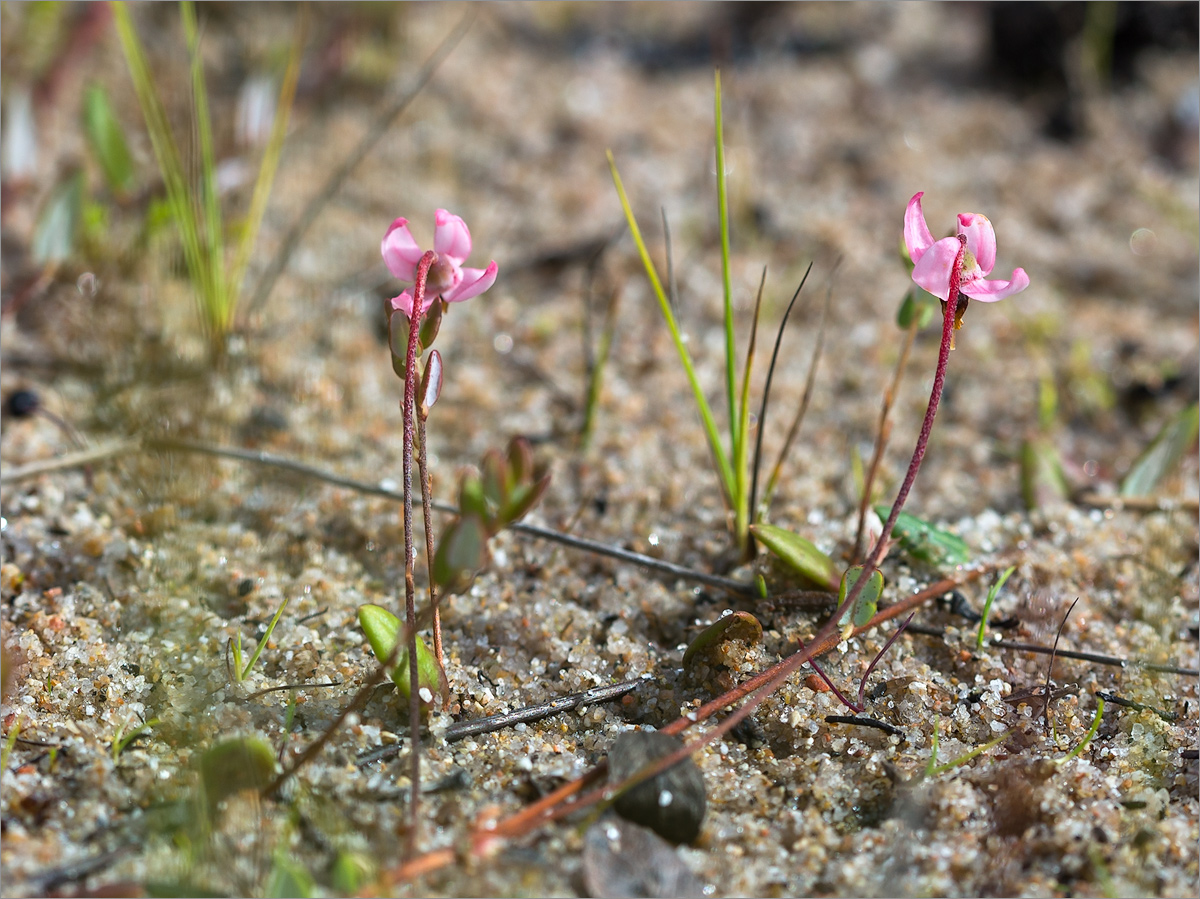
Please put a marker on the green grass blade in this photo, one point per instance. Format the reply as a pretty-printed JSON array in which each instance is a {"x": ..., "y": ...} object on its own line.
[
  {"x": 736, "y": 432},
  {"x": 262, "y": 644},
  {"x": 269, "y": 164},
  {"x": 987, "y": 605},
  {"x": 166, "y": 152},
  {"x": 741, "y": 506},
  {"x": 1163, "y": 453},
  {"x": 217, "y": 303},
  {"x": 710, "y": 427}
]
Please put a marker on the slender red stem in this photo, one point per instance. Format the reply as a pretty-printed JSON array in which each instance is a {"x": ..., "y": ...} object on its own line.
[{"x": 410, "y": 587}]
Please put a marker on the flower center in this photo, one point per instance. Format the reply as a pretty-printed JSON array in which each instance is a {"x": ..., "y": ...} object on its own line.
[
  {"x": 969, "y": 264},
  {"x": 441, "y": 277}
]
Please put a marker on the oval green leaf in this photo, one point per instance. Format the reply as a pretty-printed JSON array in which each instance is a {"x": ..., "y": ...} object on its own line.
[
  {"x": 800, "y": 555},
  {"x": 926, "y": 543}
]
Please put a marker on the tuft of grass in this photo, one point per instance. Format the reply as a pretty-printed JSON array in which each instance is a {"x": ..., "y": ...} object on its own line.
[
  {"x": 733, "y": 464},
  {"x": 240, "y": 671},
  {"x": 122, "y": 738},
  {"x": 216, "y": 273},
  {"x": 987, "y": 605}
]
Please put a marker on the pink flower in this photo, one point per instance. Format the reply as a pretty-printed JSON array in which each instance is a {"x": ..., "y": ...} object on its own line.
[
  {"x": 447, "y": 278},
  {"x": 933, "y": 259}
]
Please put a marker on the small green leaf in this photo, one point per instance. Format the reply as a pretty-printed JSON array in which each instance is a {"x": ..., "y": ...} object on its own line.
[
  {"x": 799, "y": 554},
  {"x": 495, "y": 482},
  {"x": 431, "y": 323},
  {"x": 382, "y": 629},
  {"x": 461, "y": 553},
  {"x": 54, "y": 236},
  {"x": 471, "y": 499},
  {"x": 865, "y": 604},
  {"x": 735, "y": 626},
  {"x": 916, "y": 304},
  {"x": 234, "y": 765},
  {"x": 1164, "y": 451},
  {"x": 106, "y": 138},
  {"x": 926, "y": 543}
]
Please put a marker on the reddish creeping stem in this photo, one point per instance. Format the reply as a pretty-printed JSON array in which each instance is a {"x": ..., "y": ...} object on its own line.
[{"x": 410, "y": 587}]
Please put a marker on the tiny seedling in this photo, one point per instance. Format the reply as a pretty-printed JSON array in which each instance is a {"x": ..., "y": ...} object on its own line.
[
  {"x": 987, "y": 605},
  {"x": 1087, "y": 738},
  {"x": 932, "y": 769},
  {"x": 240, "y": 671},
  {"x": 122, "y": 739}
]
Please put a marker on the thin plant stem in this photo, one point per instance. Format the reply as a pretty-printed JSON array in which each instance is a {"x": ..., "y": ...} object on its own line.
[
  {"x": 743, "y": 509},
  {"x": 882, "y": 433},
  {"x": 810, "y": 381},
  {"x": 410, "y": 587},
  {"x": 737, "y": 433},
  {"x": 427, "y": 514},
  {"x": 935, "y": 397},
  {"x": 762, "y": 411}
]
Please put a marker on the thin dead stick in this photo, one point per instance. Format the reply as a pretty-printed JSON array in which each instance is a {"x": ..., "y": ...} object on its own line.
[
  {"x": 380, "y": 127},
  {"x": 259, "y": 457},
  {"x": 69, "y": 460},
  {"x": 810, "y": 381},
  {"x": 1053, "y": 653},
  {"x": 883, "y": 432},
  {"x": 1078, "y": 655},
  {"x": 762, "y": 410},
  {"x": 460, "y": 730}
]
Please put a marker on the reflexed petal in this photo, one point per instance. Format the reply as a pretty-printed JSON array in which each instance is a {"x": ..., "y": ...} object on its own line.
[
  {"x": 400, "y": 252},
  {"x": 475, "y": 281},
  {"x": 917, "y": 237},
  {"x": 932, "y": 271},
  {"x": 403, "y": 303},
  {"x": 451, "y": 237},
  {"x": 991, "y": 291},
  {"x": 981, "y": 239}
]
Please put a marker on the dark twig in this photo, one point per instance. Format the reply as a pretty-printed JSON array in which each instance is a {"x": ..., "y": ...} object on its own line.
[
  {"x": 1137, "y": 706},
  {"x": 460, "y": 730},
  {"x": 520, "y": 527},
  {"x": 1050, "y": 667},
  {"x": 863, "y": 722},
  {"x": 1095, "y": 657}
]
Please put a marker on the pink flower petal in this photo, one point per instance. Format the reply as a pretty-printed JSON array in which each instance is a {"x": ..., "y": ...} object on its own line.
[
  {"x": 400, "y": 252},
  {"x": 403, "y": 303},
  {"x": 917, "y": 237},
  {"x": 474, "y": 282},
  {"x": 981, "y": 239},
  {"x": 451, "y": 237},
  {"x": 991, "y": 291},
  {"x": 932, "y": 270}
]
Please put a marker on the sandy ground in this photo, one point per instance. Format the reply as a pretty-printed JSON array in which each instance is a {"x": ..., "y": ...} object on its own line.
[{"x": 124, "y": 581}]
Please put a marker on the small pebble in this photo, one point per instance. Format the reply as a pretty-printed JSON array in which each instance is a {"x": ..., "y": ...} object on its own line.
[
  {"x": 672, "y": 803},
  {"x": 621, "y": 859}
]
